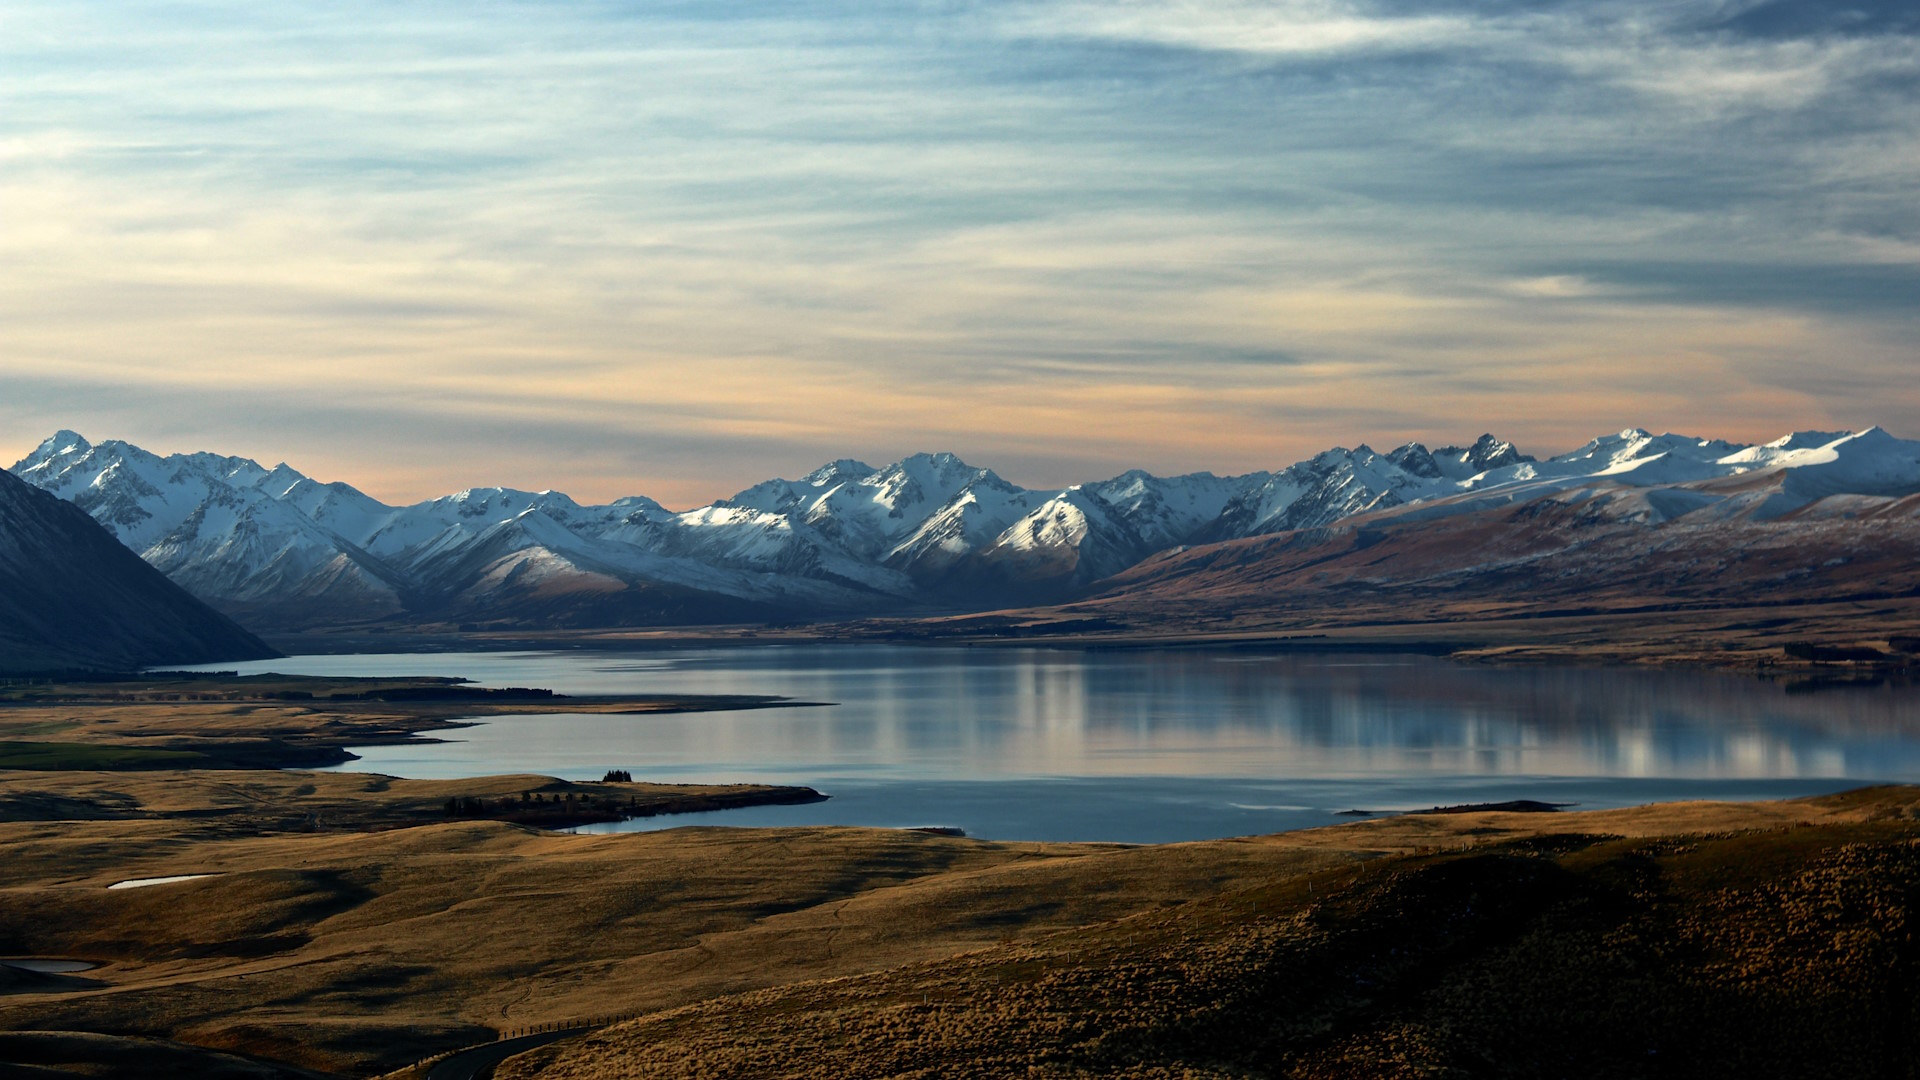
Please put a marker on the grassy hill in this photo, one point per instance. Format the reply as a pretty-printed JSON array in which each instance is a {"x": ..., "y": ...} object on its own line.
[{"x": 1762, "y": 939}]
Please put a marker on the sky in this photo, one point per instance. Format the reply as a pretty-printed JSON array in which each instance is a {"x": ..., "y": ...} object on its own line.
[{"x": 675, "y": 248}]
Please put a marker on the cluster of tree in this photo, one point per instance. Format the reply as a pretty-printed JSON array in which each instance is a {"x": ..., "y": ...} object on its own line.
[
  {"x": 469, "y": 806},
  {"x": 617, "y": 776},
  {"x": 1831, "y": 654},
  {"x": 451, "y": 693},
  {"x": 536, "y": 803},
  {"x": 99, "y": 675}
]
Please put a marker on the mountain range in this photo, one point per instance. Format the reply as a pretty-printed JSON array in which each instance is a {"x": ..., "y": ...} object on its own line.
[
  {"x": 1764, "y": 558},
  {"x": 281, "y": 551},
  {"x": 71, "y": 596}
]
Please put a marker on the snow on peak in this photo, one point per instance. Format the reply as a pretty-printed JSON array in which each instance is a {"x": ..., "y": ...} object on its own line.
[
  {"x": 1416, "y": 460},
  {"x": 929, "y": 472},
  {"x": 54, "y": 452},
  {"x": 1487, "y": 453},
  {"x": 781, "y": 496},
  {"x": 1801, "y": 440},
  {"x": 834, "y": 472},
  {"x": 1871, "y": 462},
  {"x": 65, "y": 441},
  {"x": 228, "y": 528},
  {"x": 1635, "y": 449}
]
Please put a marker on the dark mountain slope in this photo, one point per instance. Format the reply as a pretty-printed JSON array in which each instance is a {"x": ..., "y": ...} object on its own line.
[
  {"x": 1586, "y": 552},
  {"x": 72, "y": 596}
]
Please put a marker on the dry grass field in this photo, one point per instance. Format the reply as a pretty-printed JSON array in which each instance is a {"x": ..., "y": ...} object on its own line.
[
  {"x": 1688, "y": 939},
  {"x": 1625, "y": 944}
]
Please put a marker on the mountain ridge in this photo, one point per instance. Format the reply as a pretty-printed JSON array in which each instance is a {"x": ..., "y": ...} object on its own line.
[{"x": 927, "y": 533}]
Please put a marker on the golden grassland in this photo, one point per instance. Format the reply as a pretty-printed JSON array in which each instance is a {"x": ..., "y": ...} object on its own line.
[
  {"x": 1734, "y": 954},
  {"x": 1684, "y": 939}
]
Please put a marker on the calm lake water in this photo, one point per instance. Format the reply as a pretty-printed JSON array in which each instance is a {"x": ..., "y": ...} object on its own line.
[{"x": 1150, "y": 746}]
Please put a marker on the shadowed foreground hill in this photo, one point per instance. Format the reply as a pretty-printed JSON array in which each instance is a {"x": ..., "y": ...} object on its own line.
[
  {"x": 72, "y": 596},
  {"x": 1691, "y": 939},
  {"x": 1786, "y": 953}
]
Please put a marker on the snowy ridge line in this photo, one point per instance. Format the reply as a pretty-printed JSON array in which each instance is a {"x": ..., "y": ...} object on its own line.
[{"x": 851, "y": 538}]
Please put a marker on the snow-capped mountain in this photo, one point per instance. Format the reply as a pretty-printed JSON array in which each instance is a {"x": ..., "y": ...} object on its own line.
[
  {"x": 927, "y": 532},
  {"x": 1630, "y": 526}
]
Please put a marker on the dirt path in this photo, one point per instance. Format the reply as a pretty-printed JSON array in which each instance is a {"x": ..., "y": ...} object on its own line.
[{"x": 477, "y": 1063}]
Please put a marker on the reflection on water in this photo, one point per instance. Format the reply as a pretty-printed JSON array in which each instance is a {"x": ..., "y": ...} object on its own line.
[{"x": 1375, "y": 730}]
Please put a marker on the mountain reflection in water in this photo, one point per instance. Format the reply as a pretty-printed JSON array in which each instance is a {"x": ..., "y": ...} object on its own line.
[{"x": 1160, "y": 744}]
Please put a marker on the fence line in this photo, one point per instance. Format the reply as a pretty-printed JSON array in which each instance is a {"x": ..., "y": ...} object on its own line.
[{"x": 567, "y": 1025}]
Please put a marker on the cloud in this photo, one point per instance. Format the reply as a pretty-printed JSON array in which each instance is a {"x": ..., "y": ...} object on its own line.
[
  {"x": 1561, "y": 286},
  {"x": 1063, "y": 239},
  {"x": 1679, "y": 55},
  {"x": 1284, "y": 28}
]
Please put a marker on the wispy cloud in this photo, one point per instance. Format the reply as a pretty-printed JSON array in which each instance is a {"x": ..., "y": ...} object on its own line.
[
  {"x": 1278, "y": 27},
  {"x": 727, "y": 239},
  {"x": 1690, "y": 50}
]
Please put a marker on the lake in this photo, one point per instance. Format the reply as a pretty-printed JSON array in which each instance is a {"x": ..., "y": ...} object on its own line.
[{"x": 1155, "y": 745}]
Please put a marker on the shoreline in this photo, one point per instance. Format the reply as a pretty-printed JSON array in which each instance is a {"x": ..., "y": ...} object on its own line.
[
  {"x": 223, "y": 721},
  {"x": 1761, "y": 639},
  {"x": 693, "y": 799},
  {"x": 205, "y": 805}
]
